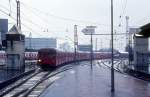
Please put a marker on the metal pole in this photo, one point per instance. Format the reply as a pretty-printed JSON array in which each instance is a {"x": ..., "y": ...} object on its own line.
[
  {"x": 91, "y": 51},
  {"x": 128, "y": 44},
  {"x": 112, "y": 58},
  {"x": 75, "y": 42},
  {"x": 18, "y": 14}
]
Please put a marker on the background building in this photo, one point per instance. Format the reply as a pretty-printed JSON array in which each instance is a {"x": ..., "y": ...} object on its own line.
[
  {"x": 3, "y": 29},
  {"x": 38, "y": 43},
  {"x": 65, "y": 47},
  {"x": 84, "y": 48}
]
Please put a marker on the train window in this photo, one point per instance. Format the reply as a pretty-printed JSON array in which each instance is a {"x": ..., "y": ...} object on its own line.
[{"x": 47, "y": 53}]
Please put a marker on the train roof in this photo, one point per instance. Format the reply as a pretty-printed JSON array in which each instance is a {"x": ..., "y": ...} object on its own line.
[{"x": 47, "y": 50}]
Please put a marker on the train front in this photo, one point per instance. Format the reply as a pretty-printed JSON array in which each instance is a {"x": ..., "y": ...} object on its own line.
[{"x": 47, "y": 58}]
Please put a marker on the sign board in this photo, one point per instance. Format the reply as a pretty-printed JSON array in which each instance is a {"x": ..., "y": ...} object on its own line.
[
  {"x": 89, "y": 30},
  {"x": 84, "y": 48}
]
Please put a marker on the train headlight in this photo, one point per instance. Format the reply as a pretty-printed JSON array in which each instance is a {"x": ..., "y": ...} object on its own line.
[{"x": 39, "y": 60}]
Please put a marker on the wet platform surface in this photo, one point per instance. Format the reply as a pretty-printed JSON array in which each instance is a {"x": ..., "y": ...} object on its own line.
[{"x": 81, "y": 81}]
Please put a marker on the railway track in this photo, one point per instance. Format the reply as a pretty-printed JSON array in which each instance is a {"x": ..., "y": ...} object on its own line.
[
  {"x": 116, "y": 68},
  {"x": 23, "y": 84},
  {"x": 36, "y": 90},
  {"x": 35, "y": 84},
  {"x": 17, "y": 83}
]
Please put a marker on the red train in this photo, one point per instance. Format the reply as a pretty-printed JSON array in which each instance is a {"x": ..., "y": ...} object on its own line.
[{"x": 49, "y": 57}]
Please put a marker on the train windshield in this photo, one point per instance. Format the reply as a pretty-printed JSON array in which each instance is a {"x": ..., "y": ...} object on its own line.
[{"x": 49, "y": 53}]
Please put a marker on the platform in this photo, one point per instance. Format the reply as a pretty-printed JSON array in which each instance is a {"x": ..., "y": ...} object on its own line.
[{"x": 81, "y": 81}]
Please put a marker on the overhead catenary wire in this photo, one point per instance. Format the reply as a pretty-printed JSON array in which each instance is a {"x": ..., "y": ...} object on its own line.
[
  {"x": 27, "y": 20},
  {"x": 39, "y": 24},
  {"x": 10, "y": 7},
  {"x": 4, "y": 7},
  {"x": 124, "y": 8},
  {"x": 39, "y": 11},
  {"x": 22, "y": 23},
  {"x": 64, "y": 18},
  {"x": 35, "y": 12},
  {"x": 141, "y": 20},
  {"x": 124, "y": 4}
]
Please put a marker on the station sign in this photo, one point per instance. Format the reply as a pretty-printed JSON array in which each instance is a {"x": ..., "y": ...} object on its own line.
[{"x": 89, "y": 30}]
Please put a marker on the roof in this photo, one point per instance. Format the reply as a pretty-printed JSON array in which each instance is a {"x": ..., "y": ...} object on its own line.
[
  {"x": 145, "y": 30},
  {"x": 14, "y": 30},
  {"x": 47, "y": 50}
]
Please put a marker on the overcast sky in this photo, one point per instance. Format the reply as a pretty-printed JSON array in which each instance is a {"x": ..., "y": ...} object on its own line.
[{"x": 56, "y": 18}]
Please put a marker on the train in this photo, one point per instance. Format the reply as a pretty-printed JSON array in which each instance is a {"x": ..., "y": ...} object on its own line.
[
  {"x": 28, "y": 55},
  {"x": 52, "y": 58}
]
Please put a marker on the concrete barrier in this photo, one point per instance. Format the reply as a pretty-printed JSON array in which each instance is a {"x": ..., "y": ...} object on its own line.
[{"x": 138, "y": 74}]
